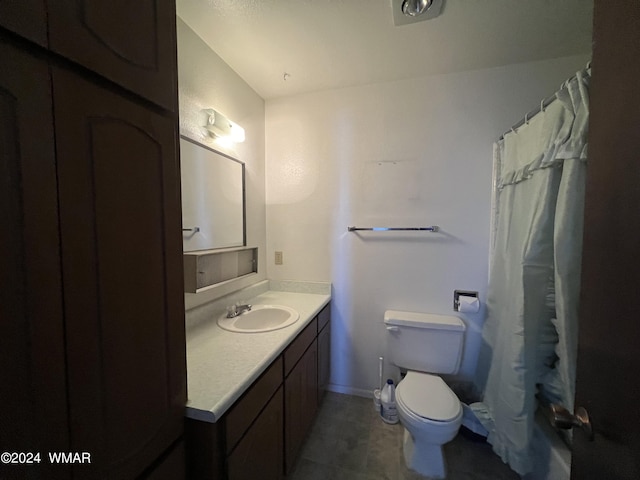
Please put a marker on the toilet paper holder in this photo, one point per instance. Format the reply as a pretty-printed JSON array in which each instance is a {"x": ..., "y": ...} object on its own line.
[{"x": 458, "y": 293}]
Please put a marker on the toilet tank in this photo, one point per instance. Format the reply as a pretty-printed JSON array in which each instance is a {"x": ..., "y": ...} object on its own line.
[{"x": 424, "y": 342}]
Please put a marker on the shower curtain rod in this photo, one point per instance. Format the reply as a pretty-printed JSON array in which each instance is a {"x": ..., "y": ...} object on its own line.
[{"x": 543, "y": 104}]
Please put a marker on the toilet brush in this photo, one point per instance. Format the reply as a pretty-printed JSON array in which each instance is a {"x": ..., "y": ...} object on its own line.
[{"x": 377, "y": 404}]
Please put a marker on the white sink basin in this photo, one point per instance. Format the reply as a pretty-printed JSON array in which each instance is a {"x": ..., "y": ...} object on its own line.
[{"x": 261, "y": 318}]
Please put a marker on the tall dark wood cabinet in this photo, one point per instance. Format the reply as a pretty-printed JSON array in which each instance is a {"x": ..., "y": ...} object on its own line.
[
  {"x": 92, "y": 342},
  {"x": 27, "y": 18},
  {"x": 33, "y": 397},
  {"x": 122, "y": 289},
  {"x": 132, "y": 43}
]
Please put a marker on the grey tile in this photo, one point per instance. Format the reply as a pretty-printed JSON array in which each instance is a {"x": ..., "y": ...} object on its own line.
[
  {"x": 346, "y": 474},
  {"x": 349, "y": 441},
  {"x": 308, "y": 470},
  {"x": 382, "y": 461},
  {"x": 342, "y": 411},
  {"x": 405, "y": 473},
  {"x": 327, "y": 427},
  {"x": 469, "y": 459},
  {"x": 337, "y": 397},
  {"x": 342, "y": 452}
]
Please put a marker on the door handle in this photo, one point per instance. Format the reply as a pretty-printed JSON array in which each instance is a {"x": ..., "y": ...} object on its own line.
[{"x": 560, "y": 417}]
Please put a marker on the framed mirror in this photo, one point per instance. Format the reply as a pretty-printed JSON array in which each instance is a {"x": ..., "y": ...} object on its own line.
[{"x": 213, "y": 198}]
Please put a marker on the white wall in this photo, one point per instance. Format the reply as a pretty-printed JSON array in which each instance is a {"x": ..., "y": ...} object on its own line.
[
  {"x": 206, "y": 81},
  {"x": 413, "y": 152},
  {"x": 408, "y": 153}
]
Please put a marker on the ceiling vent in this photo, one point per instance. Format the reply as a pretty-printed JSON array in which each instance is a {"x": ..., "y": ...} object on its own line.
[{"x": 412, "y": 11}]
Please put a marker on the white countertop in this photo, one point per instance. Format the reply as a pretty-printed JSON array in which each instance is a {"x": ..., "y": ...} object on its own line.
[{"x": 221, "y": 365}]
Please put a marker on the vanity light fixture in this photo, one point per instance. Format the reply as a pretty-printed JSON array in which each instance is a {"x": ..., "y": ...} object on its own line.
[
  {"x": 237, "y": 133},
  {"x": 220, "y": 127}
]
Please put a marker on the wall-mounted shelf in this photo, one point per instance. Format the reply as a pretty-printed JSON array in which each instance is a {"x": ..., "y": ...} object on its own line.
[{"x": 207, "y": 268}]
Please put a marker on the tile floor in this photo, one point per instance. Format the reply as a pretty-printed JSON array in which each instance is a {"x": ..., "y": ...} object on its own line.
[{"x": 348, "y": 441}]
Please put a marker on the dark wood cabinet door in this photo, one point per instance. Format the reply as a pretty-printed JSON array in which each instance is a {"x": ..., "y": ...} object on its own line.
[
  {"x": 119, "y": 191},
  {"x": 324, "y": 360},
  {"x": 311, "y": 386},
  {"x": 27, "y": 18},
  {"x": 301, "y": 404},
  {"x": 259, "y": 453},
  {"x": 32, "y": 387},
  {"x": 132, "y": 43}
]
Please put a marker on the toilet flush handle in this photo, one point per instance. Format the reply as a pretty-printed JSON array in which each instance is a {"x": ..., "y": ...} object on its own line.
[{"x": 392, "y": 329}]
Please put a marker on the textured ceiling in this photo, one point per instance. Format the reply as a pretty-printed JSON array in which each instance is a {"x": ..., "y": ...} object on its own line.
[{"x": 325, "y": 44}]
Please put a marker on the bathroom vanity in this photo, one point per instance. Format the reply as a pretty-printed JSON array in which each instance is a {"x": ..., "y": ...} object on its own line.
[{"x": 253, "y": 396}]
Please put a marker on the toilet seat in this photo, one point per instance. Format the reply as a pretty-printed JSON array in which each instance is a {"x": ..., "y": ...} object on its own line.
[{"x": 428, "y": 397}]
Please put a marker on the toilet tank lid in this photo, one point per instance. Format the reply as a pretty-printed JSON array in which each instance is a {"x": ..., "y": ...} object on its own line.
[{"x": 423, "y": 320}]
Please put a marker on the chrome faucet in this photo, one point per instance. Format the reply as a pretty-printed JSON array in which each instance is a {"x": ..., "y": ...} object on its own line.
[{"x": 235, "y": 310}]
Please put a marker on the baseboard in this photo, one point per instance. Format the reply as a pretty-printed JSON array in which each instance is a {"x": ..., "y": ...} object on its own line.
[{"x": 359, "y": 392}]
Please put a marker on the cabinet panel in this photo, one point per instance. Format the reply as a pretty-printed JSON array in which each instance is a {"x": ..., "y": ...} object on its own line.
[
  {"x": 130, "y": 43},
  {"x": 259, "y": 453},
  {"x": 247, "y": 408},
  {"x": 172, "y": 467},
  {"x": 324, "y": 316},
  {"x": 324, "y": 360},
  {"x": 27, "y": 18},
  {"x": 301, "y": 404},
  {"x": 32, "y": 370},
  {"x": 122, "y": 255},
  {"x": 205, "y": 449}
]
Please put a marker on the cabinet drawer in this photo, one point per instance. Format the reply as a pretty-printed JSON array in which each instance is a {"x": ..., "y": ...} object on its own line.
[
  {"x": 297, "y": 348},
  {"x": 324, "y": 316},
  {"x": 251, "y": 403}
]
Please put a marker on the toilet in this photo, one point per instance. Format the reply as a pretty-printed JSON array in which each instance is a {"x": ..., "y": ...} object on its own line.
[{"x": 425, "y": 345}]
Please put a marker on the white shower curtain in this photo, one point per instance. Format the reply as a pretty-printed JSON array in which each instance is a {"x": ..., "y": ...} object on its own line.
[{"x": 530, "y": 336}]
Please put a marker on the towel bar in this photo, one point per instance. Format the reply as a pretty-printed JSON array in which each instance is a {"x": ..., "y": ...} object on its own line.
[{"x": 433, "y": 228}]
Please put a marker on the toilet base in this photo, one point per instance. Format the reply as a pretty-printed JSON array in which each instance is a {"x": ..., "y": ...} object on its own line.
[{"x": 427, "y": 459}]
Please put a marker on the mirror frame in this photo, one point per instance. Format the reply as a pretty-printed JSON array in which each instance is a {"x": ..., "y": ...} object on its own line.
[{"x": 244, "y": 194}]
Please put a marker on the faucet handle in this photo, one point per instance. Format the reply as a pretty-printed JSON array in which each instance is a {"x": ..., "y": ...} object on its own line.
[{"x": 232, "y": 311}]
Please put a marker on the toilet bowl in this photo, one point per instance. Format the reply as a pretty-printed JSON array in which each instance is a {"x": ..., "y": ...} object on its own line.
[
  {"x": 425, "y": 345},
  {"x": 431, "y": 415}
]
